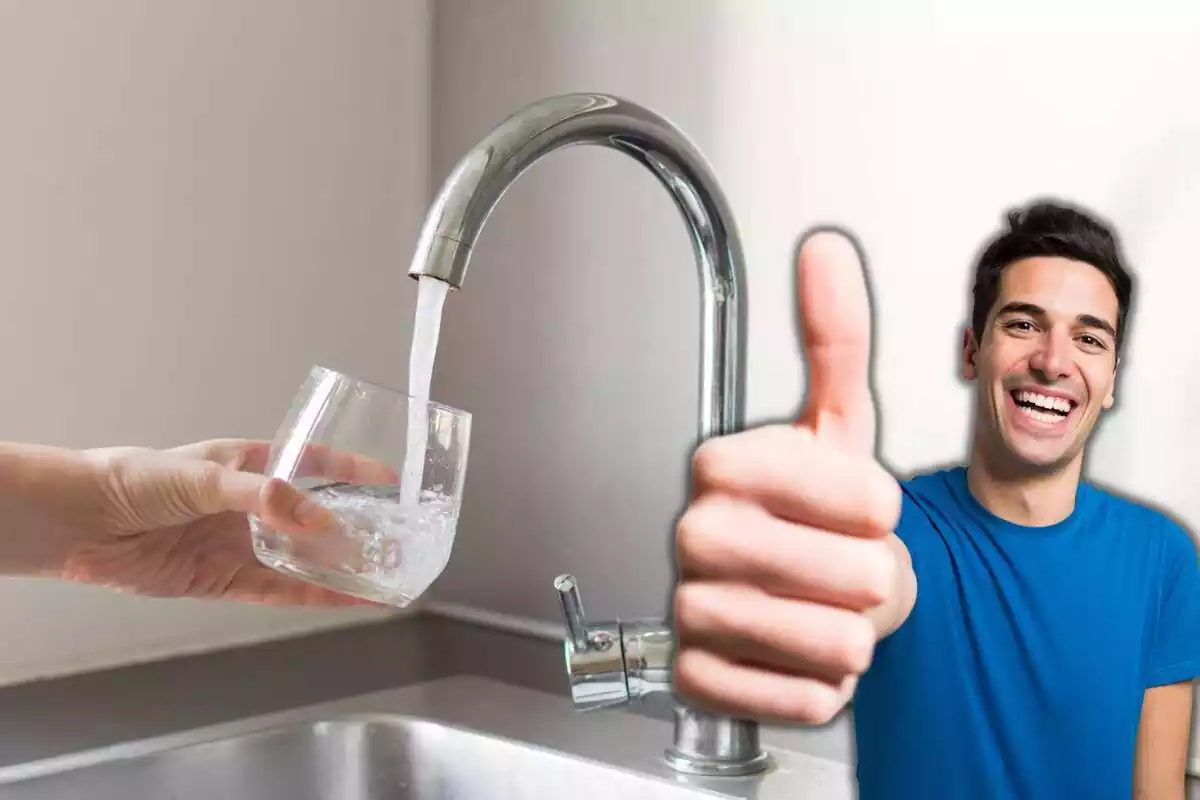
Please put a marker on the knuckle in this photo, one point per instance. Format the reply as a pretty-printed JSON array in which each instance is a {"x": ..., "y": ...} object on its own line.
[
  {"x": 880, "y": 568},
  {"x": 203, "y": 476},
  {"x": 856, "y": 647},
  {"x": 886, "y": 499},
  {"x": 275, "y": 493},
  {"x": 208, "y": 479},
  {"x": 214, "y": 449},
  {"x": 700, "y": 538},
  {"x": 795, "y": 436},
  {"x": 681, "y": 614},
  {"x": 688, "y": 674},
  {"x": 711, "y": 462},
  {"x": 684, "y": 668},
  {"x": 695, "y": 613},
  {"x": 686, "y": 531},
  {"x": 824, "y": 705},
  {"x": 817, "y": 704}
]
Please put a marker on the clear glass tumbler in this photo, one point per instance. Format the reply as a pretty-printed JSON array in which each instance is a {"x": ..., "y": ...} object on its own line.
[{"x": 391, "y": 469}]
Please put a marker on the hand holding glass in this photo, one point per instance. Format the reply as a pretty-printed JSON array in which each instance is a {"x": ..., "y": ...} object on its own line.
[{"x": 396, "y": 518}]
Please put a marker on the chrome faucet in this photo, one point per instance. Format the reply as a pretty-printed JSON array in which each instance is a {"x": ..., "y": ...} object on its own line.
[{"x": 614, "y": 663}]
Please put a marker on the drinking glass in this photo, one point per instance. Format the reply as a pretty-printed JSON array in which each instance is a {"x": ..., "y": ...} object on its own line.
[{"x": 391, "y": 469}]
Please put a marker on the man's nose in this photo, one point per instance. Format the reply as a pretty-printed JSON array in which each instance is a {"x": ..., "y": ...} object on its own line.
[{"x": 1053, "y": 356}]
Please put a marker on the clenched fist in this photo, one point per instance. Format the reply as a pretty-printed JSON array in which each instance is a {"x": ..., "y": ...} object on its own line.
[{"x": 789, "y": 570}]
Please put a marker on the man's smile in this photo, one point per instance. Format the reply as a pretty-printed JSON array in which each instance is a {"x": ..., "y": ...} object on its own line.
[{"x": 1040, "y": 410}]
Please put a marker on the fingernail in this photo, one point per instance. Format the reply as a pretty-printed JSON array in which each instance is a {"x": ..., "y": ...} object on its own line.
[{"x": 307, "y": 512}]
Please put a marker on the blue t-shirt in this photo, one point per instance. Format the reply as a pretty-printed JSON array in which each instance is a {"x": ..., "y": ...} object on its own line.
[{"x": 1021, "y": 670}]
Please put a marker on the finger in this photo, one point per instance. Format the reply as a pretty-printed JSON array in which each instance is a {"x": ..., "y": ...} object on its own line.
[
  {"x": 796, "y": 636},
  {"x": 835, "y": 318},
  {"x": 316, "y": 460},
  {"x": 795, "y": 476},
  {"x": 266, "y": 587},
  {"x": 737, "y": 542},
  {"x": 232, "y": 453},
  {"x": 211, "y": 489},
  {"x": 744, "y": 690}
]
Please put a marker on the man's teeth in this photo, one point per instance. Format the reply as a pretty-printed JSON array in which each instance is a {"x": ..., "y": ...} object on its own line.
[
  {"x": 1045, "y": 401},
  {"x": 1041, "y": 407},
  {"x": 1048, "y": 417}
]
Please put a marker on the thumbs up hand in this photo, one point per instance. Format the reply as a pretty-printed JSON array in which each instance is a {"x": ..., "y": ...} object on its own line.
[{"x": 789, "y": 570}]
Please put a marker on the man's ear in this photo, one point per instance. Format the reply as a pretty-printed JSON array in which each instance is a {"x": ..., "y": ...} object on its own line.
[
  {"x": 970, "y": 352},
  {"x": 1108, "y": 399}
]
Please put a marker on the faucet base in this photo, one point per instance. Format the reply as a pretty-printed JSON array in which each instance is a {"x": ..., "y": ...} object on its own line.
[
  {"x": 708, "y": 767},
  {"x": 707, "y": 744}
]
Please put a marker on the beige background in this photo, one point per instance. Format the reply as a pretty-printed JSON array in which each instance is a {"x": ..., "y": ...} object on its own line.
[
  {"x": 180, "y": 182},
  {"x": 198, "y": 200}
]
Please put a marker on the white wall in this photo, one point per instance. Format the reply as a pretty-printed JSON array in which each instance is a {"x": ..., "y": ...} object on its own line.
[
  {"x": 916, "y": 124},
  {"x": 575, "y": 342},
  {"x": 198, "y": 200}
]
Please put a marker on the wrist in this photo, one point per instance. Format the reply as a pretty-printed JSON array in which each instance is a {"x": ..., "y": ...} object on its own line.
[{"x": 49, "y": 501}]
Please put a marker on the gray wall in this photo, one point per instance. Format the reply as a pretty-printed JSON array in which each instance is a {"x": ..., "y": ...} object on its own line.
[{"x": 199, "y": 200}]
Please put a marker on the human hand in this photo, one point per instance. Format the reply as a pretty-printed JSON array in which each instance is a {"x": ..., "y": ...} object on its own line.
[
  {"x": 786, "y": 552},
  {"x": 174, "y": 522}
]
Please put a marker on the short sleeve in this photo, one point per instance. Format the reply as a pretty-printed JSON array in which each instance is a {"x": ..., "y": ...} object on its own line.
[
  {"x": 915, "y": 526},
  {"x": 1175, "y": 649}
]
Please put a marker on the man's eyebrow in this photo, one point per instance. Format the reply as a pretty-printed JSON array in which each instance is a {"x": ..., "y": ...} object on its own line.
[
  {"x": 1092, "y": 321},
  {"x": 1022, "y": 308}
]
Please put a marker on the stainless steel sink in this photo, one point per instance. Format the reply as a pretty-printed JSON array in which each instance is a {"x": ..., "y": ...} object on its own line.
[
  {"x": 455, "y": 738},
  {"x": 348, "y": 759}
]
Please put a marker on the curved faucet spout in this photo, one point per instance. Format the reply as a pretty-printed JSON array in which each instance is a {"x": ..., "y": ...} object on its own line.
[
  {"x": 481, "y": 177},
  {"x": 610, "y": 665}
]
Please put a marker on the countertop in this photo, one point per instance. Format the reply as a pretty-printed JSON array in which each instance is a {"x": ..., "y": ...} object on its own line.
[
  {"x": 55, "y": 717},
  {"x": 628, "y": 742}
]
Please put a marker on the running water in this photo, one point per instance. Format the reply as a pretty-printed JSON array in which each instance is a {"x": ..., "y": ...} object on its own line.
[
  {"x": 399, "y": 550},
  {"x": 427, "y": 325},
  {"x": 393, "y": 541}
]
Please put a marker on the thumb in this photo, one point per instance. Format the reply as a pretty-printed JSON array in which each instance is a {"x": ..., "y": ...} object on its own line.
[
  {"x": 835, "y": 321},
  {"x": 276, "y": 502},
  {"x": 202, "y": 488}
]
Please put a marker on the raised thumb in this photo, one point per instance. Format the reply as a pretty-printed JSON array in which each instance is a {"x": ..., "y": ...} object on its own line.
[{"x": 835, "y": 324}]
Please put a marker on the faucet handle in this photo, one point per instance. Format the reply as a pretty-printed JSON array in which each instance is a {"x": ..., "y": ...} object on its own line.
[
  {"x": 594, "y": 655},
  {"x": 572, "y": 607}
]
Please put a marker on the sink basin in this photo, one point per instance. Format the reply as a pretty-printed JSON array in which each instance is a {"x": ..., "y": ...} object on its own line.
[
  {"x": 348, "y": 759},
  {"x": 461, "y": 737}
]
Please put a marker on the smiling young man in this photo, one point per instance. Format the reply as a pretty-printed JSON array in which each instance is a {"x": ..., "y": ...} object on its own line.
[{"x": 1056, "y": 629}]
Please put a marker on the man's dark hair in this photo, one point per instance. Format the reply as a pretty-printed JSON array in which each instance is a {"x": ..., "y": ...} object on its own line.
[{"x": 1046, "y": 228}]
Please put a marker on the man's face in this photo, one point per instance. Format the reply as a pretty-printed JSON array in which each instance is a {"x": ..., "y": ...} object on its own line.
[{"x": 1045, "y": 362}]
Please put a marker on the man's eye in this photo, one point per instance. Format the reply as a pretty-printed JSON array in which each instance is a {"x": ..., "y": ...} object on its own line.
[{"x": 1020, "y": 325}]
